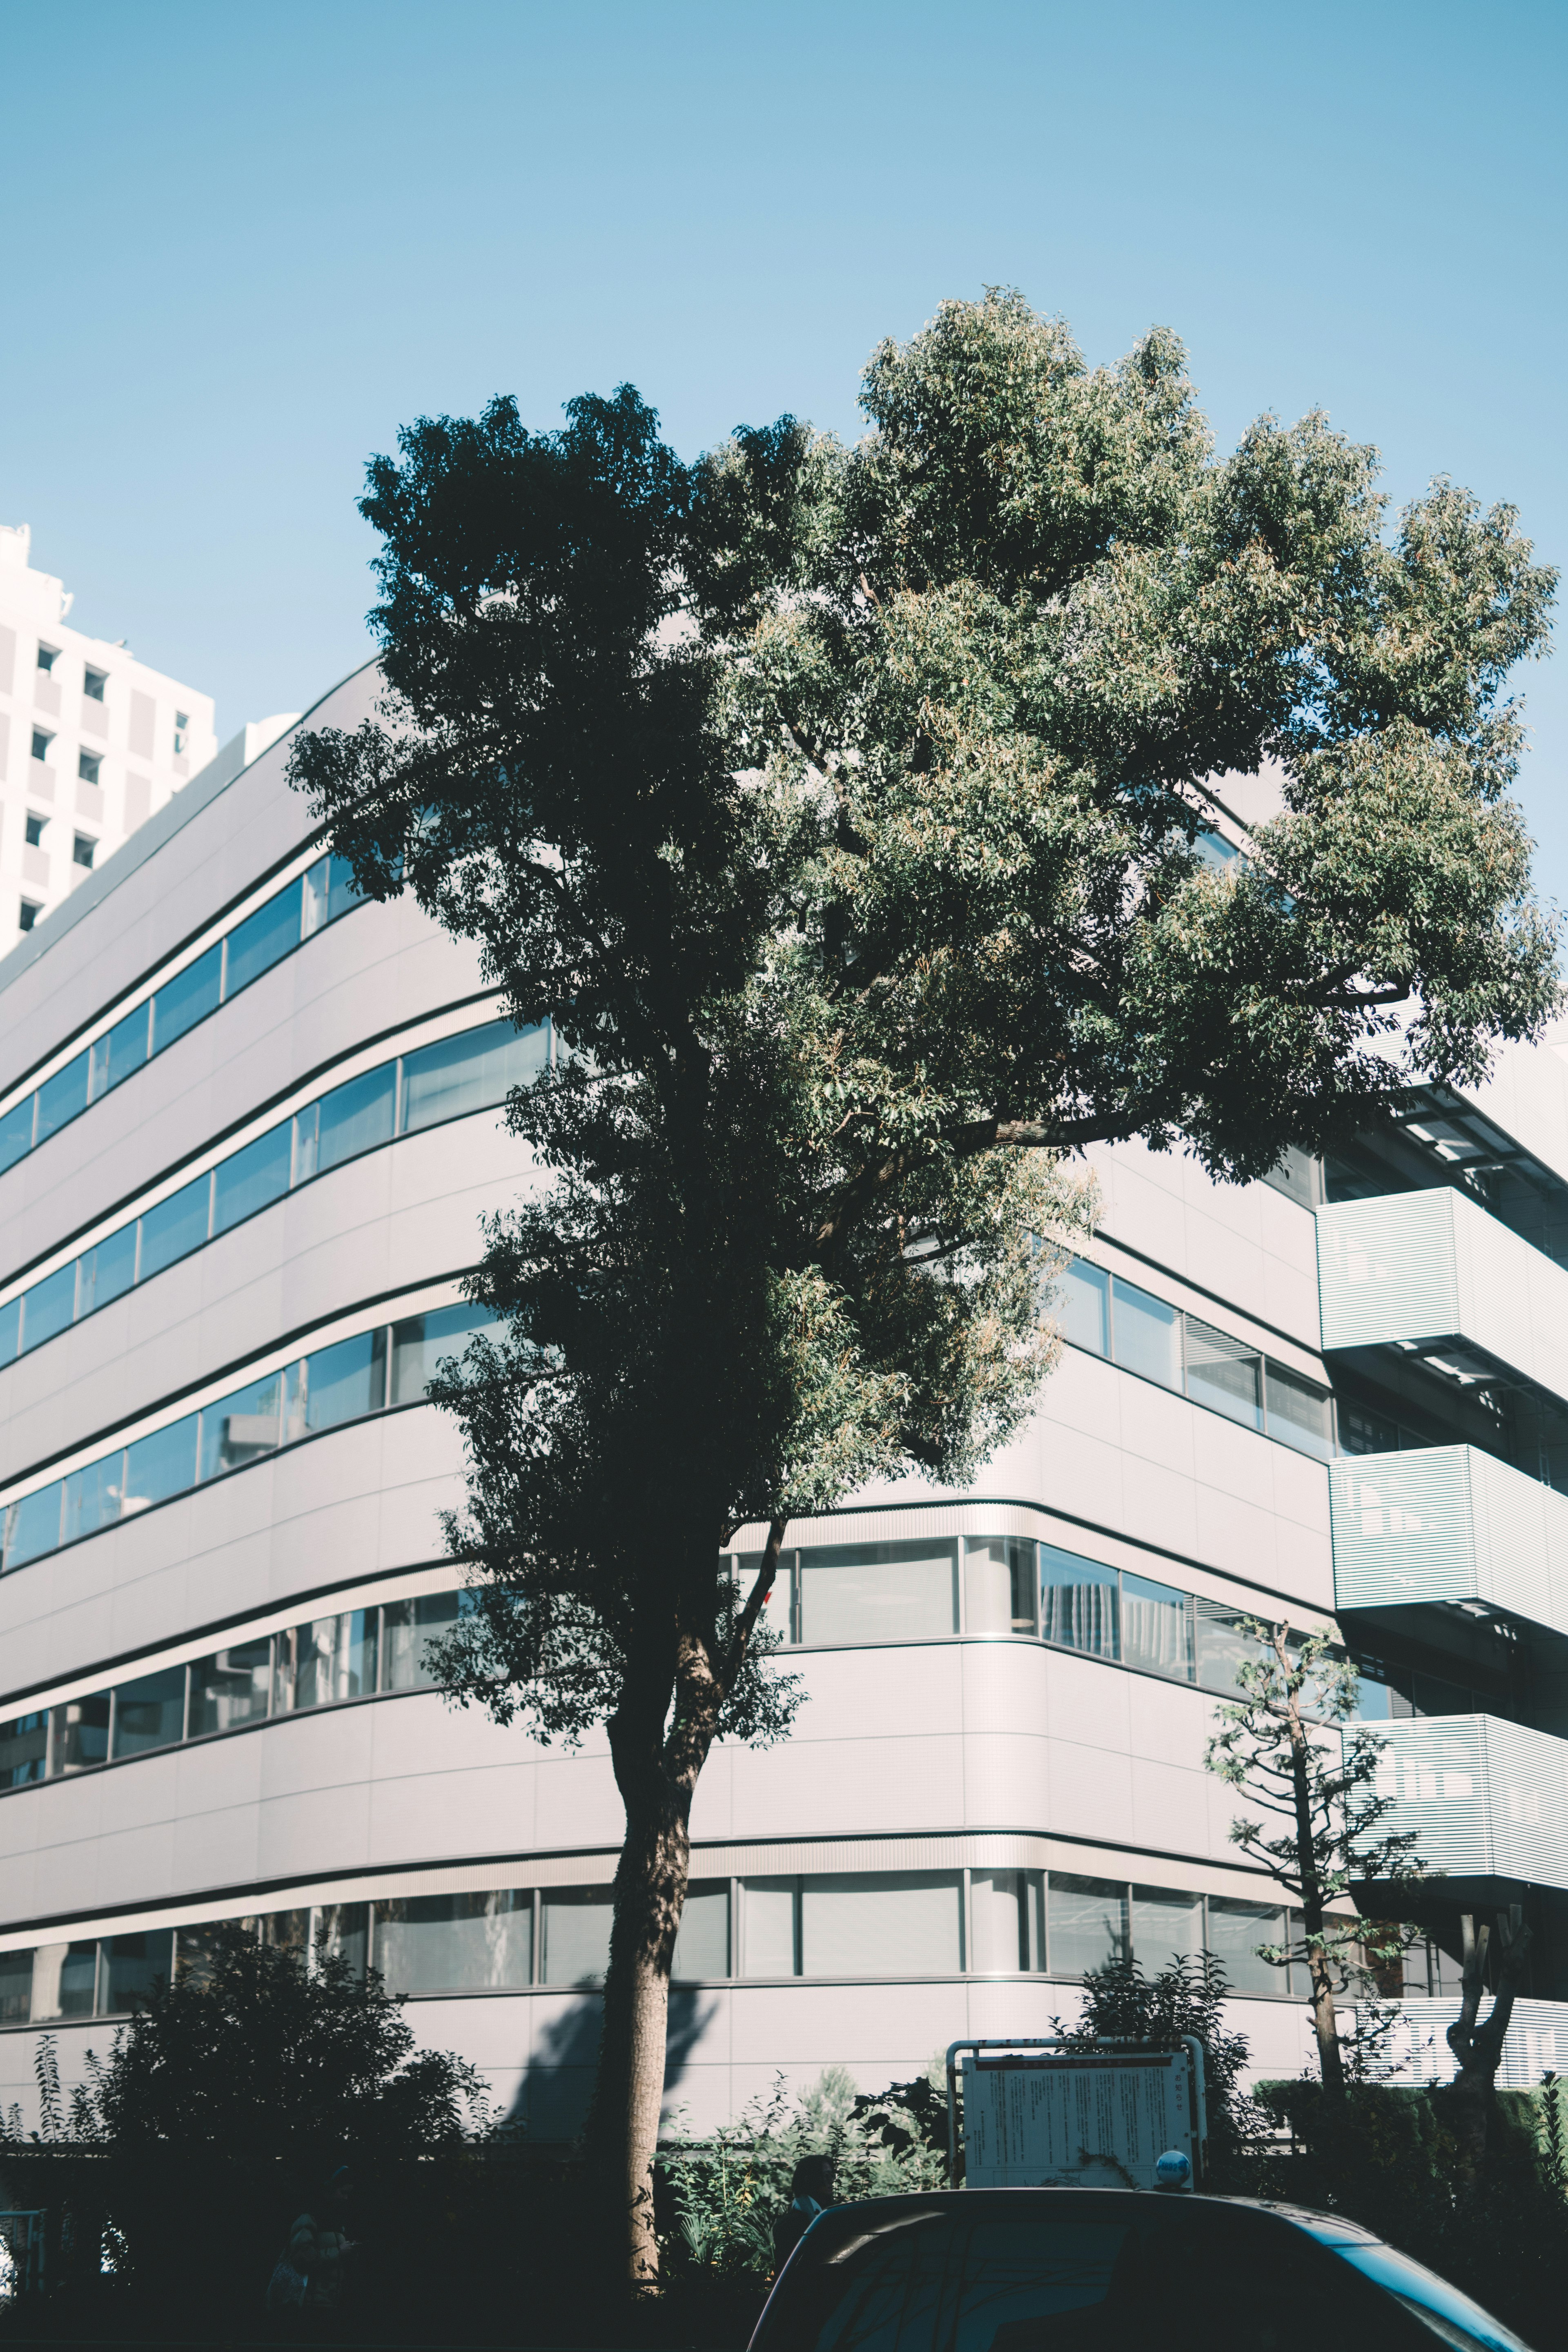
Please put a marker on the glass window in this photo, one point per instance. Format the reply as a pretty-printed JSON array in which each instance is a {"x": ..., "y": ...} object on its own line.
[
  {"x": 769, "y": 1928},
  {"x": 1166, "y": 1928},
  {"x": 62, "y": 1097},
  {"x": 419, "y": 1343},
  {"x": 343, "y": 1933},
  {"x": 17, "y": 1131},
  {"x": 65, "y": 1981},
  {"x": 1300, "y": 1414},
  {"x": 340, "y": 892},
  {"x": 93, "y": 1497},
  {"x": 24, "y": 1749},
  {"x": 456, "y": 1943},
  {"x": 80, "y": 1733},
  {"x": 878, "y": 1593},
  {"x": 1088, "y": 1922},
  {"x": 106, "y": 1270},
  {"x": 174, "y": 1228},
  {"x": 999, "y": 1574},
  {"x": 338, "y": 1384},
  {"x": 15, "y": 1986},
  {"x": 1147, "y": 1335},
  {"x": 1082, "y": 1308},
  {"x": 252, "y": 1178},
  {"x": 33, "y": 1526},
  {"x": 1078, "y": 1604},
  {"x": 702, "y": 1940},
  {"x": 122, "y": 1049},
  {"x": 242, "y": 1427},
  {"x": 355, "y": 1117},
  {"x": 10, "y": 1330},
  {"x": 1367, "y": 1432},
  {"x": 1223, "y": 1373},
  {"x": 93, "y": 683},
  {"x": 1235, "y": 1930},
  {"x": 287, "y": 1931},
  {"x": 329, "y": 1660},
  {"x": 1007, "y": 1920},
  {"x": 253, "y": 946},
  {"x": 160, "y": 1465},
  {"x": 882, "y": 1924},
  {"x": 575, "y": 1934},
  {"x": 149, "y": 1713},
  {"x": 231, "y": 1686},
  {"x": 314, "y": 907},
  {"x": 186, "y": 999},
  {"x": 1224, "y": 1644},
  {"x": 778, "y": 1609},
  {"x": 48, "y": 1307},
  {"x": 132, "y": 1966},
  {"x": 1156, "y": 1628},
  {"x": 471, "y": 1072},
  {"x": 197, "y": 1948},
  {"x": 409, "y": 1628}
]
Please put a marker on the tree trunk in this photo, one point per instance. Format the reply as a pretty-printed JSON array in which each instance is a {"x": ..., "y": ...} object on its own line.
[
  {"x": 628, "y": 2094},
  {"x": 1325, "y": 2021},
  {"x": 659, "y": 1758},
  {"x": 1479, "y": 2049}
]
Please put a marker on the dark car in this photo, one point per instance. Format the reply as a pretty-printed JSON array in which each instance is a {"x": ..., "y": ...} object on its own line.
[{"x": 1119, "y": 2270}]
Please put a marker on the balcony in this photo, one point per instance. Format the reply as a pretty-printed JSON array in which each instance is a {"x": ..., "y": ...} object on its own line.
[
  {"x": 1419, "y": 2053},
  {"x": 1488, "y": 1800},
  {"x": 1434, "y": 1276},
  {"x": 1450, "y": 1525}
]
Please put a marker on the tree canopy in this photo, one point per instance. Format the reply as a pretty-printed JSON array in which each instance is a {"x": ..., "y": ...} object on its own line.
[{"x": 844, "y": 809}]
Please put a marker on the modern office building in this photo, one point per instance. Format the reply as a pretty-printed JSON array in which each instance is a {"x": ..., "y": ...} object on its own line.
[
  {"x": 248, "y": 1130},
  {"x": 91, "y": 742}
]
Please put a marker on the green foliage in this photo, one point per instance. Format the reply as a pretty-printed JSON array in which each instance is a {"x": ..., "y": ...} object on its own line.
[
  {"x": 257, "y": 2057},
  {"x": 727, "y": 2192},
  {"x": 839, "y": 805},
  {"x": 1293, "y": 1747},
  {"x": 1185, "y": 1997}
]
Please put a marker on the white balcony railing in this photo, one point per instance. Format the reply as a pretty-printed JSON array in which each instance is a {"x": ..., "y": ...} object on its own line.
[
  {"x": 1433, "y": 1273},
  {"x": 1485, "y": 1797},
  {"x": 1418, "y": 2049},
  {"x": 1448, "y": 1523}
]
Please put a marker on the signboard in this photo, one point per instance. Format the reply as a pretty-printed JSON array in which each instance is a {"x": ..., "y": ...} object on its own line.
[{"x": 1088, "y": 2118}]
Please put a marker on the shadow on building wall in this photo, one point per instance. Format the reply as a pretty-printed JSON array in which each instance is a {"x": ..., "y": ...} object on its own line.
[{"x": 551, "y": 2102}]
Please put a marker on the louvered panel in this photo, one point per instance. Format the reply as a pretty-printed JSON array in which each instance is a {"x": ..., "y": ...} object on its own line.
[
  {"x": 1418, "y": 2051},
  {"x": 1434, "y": 1767},
  {"x": 1419, "y": 1267},
  {"x": 1486, "y": 1799},
  {"x": 1386, "y": 1269},
  {"x": 1448, "y": 1523},
  {"x": 1403, "y": 1528}
]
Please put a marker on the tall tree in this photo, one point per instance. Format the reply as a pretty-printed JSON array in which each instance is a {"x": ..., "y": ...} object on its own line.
[
  {"x": 1293, "y": 1746},
  {"x": 841, "y": 807}
]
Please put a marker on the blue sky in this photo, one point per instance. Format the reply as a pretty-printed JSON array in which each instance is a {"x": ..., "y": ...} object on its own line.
[{"x": 244, "y": 245}]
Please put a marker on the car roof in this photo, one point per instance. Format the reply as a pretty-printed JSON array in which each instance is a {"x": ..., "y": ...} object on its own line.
[{"x": 1328, "y": 2228}]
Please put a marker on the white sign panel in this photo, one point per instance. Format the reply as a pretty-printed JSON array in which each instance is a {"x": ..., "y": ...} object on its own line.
[{"x": 1084, "y": 2120}]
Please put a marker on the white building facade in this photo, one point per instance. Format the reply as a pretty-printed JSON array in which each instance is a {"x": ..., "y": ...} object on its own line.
[
  {"x": 248, "y": 1130},
  {"x": 91, "y": 742}
]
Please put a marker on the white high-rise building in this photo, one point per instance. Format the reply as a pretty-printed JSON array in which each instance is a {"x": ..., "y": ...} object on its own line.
[
  {"x": 91, "y": 742},
  {"x": 249, "y": 1127}
]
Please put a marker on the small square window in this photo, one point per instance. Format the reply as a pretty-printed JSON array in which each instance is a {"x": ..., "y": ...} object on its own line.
[
  {"x": 182, "y": 732},
  {"x": 88, "y": 765},
  {"x": 41, "y": 742},
  {"x": 28, "y": 916},
  {"x": 34, "y": 830},
  {"x": 83, "y": 850},
  {"x": 93, "y": 683},
  {"x": 48, "y": 657}
]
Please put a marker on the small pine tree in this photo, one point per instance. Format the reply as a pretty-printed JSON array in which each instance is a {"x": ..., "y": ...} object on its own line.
[{"x": 1293, "y": 1746}]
